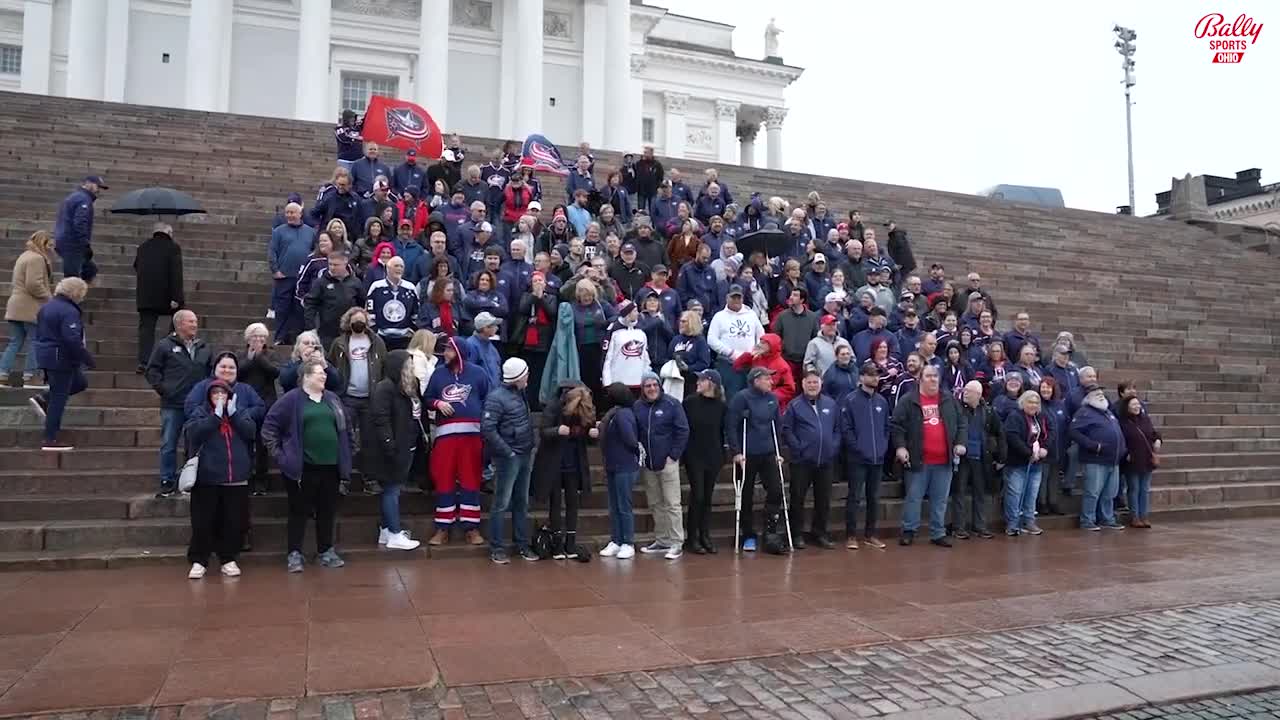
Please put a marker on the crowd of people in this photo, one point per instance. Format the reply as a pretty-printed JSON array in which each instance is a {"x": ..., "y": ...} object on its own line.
[{"x": 432, "y": 312}]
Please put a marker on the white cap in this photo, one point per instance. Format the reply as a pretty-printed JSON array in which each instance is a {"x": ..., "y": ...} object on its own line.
[
  {"x": 819, "y": 258},
  {"x": 514, "y": 369},
  {"x": 485, "y": 227}
]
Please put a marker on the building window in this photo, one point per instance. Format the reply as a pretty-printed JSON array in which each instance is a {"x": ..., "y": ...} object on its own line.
[
  {"x": 10, "y": 60},
  {"x": 646, "y": 130},
  {"x": 356, "y": 90}
]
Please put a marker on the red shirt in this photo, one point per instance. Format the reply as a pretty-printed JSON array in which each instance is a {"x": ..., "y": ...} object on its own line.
[{"x": 935, "y": 435}]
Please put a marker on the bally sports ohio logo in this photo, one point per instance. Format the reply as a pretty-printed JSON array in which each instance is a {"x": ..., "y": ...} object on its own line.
[{"x": 1228, "y": 39}]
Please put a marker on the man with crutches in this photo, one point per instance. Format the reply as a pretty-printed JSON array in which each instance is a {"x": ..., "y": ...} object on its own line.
[{"x": 751, "y": 430}]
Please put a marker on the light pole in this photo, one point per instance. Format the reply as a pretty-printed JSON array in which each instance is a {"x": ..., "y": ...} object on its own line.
[{"x": 1126, "y": 46}]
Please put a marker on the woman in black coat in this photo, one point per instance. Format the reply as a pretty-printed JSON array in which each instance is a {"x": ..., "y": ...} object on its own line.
[
  {"x": 561, "y": 471},
  {"x": 396, "y": 414},
  {"x": 532, "y": 327},
  {"x": 704, "y": 457},
  {"x": 258, "y": 371}
]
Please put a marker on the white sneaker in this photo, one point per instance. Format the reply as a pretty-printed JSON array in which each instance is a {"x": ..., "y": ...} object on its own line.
[
  {"x": 383, "y": 536},
  {"x": 230, "y": 569},
  {"x": 271, "y": 314},
  {"x": 674, "y": 553},
  {"x": 401, "y": 541},
  {"x": 626, "y": 552},
  {"x": 610, "y": 550},
  {"x": 197, "y": 571}
]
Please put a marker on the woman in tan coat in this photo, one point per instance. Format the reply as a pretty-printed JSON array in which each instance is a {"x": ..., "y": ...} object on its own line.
[{"x": 32, "y": 287}]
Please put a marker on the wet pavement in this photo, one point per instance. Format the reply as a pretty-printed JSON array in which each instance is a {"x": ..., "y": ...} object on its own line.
[{"x": 868, "y": 632}]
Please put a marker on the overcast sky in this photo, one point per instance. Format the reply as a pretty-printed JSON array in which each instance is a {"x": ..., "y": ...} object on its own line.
[{"x": 963, "y": 96}]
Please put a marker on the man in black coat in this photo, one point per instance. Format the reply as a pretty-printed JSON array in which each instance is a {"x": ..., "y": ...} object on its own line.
[
  {"x": 984, "y": 450},
  {"x": 177, "y": 363},
  {"x": 648, "y": 171},
  {"x": 332, "y": 294},
  {"x": 159, "y": 292},
  {"x": 900, "y": 250}
]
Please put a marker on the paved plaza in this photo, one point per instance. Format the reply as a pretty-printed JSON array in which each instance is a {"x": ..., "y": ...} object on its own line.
[{"x": 1032, "y": 626}]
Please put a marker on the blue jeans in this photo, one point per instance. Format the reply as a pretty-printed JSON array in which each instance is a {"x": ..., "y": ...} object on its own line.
[
  {"x": 390, "y": 504},
  {"x": 1100, "y": 485},
  {"x": 510, "y": 492},
  {"x": 936, "y": 481},
  {"x": 1140, "y": 494},
  {"x": 79, "y": 263},
  {"x": 171, "y": 420},
  {"x": 1021, "y": 487},
  {"x": 62, "y": 385},
  {"x": 288, "y": 311},
  {"x": 622, "y": 523},
  {"x": 1072, "y": 467},
  {"x": 734, "y": 381},
  {"x": 18, "y": 333}
]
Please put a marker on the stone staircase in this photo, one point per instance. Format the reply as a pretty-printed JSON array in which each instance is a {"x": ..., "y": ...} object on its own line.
[{"x": 1192, "y": 317}]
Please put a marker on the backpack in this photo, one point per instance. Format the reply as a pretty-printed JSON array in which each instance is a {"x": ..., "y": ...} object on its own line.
[{"x": 543, "y": 542}]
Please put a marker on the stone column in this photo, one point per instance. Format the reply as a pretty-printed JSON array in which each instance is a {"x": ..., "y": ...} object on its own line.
[
  {"x": 773, "y": 118},
  {"x": 207, "y": 54},
  {"x": 86, "y": 49},
  {"x": 593, "y": 75},
  {"x": 116, "y": 63},
  {"x": 747, "y": 131},
  {"x": 431, "y": 77},
  {"x": 37, "y": 45},
  {"x": 507, "y": 51},
  {"x": 676, "y": 105},
  {"x": 617, "y": 71},
  {"x": 635, "y": 106},
  {"x": 528, "y": 118},
  {"x": 727, "y": 130},
  {"x": 311, "y": 92}
]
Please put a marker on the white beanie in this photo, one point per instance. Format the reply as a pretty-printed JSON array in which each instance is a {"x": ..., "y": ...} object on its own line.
[{"x": 514, "y": 369}]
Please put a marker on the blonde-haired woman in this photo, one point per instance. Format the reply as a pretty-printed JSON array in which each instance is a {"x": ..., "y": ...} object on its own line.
[
  {"x": 31, "y": 288},
  {"x": 591, "y": 319},
  {"x": 422, "y": 348},
  {"x": 308, "y": 347}
]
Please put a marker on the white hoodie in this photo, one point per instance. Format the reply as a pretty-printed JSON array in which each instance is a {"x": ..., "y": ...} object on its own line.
[
  {"x": 733, "y": 333},
  {"x": 627, "y": 358}
]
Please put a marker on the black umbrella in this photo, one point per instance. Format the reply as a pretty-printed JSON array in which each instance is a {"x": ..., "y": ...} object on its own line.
[
  {"x": 156, "y": 201},
  {"x": 771, "y": 241}
]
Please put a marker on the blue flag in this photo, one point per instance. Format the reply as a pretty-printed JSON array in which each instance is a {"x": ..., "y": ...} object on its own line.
[{"x": 540, "y": 153}]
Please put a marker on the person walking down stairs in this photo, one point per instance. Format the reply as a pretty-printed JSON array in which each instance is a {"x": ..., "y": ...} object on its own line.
[{"x": 62, "y": 354}]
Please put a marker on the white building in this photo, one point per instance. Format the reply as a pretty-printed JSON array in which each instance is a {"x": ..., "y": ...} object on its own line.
[{"x": 612, "y": 72}]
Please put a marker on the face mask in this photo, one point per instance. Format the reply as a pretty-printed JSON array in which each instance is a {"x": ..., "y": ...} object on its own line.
[{"x": 358, "y": 327}]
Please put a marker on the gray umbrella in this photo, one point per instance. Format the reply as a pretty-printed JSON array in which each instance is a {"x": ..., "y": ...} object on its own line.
[{"x": 156, "y": 201}]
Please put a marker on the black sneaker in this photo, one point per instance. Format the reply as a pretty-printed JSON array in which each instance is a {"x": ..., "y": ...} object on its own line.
[
  {"x": 140, "y": 370},
  {"x": 907, "y": 538},
  {"x": 372, "y": 487},
  {"x": 824, "y": 542},
  {"x": 985, "y": 535},
  {"x": 961, "y": 535},
  {"x": 529, "y": 554},
  {"x": 57, "y": 446},
  {"x": 797, "y": 541},
  {"x": 499, "y": 557},
  {"x": 167, "y": 490},
  {"x": 941, "y": 541},
  {"x": 344, "y": 487}
]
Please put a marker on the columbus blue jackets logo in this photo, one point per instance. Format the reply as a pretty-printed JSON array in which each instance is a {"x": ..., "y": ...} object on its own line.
[
  {"x": 456, "y": 393},
  {"x": 633, "y": 348},
  {"x": 393, "y": 310},
  {"x": 408, "y": 124}
]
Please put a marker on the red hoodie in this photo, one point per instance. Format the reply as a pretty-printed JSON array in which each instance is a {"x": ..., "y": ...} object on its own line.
[{"x": 784, "y": 385}]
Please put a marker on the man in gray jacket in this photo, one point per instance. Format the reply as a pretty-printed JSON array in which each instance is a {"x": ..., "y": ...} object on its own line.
[{"x": 508, "y": 435}]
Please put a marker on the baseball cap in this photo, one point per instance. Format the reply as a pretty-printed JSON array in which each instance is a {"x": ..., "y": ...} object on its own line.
[
  {"x": 906, "y": 295},
  {"x": 842, "y": 226},
  {"x": 626, "y": 309},
  {"x": 869, "y": 368},
  {"x": 405, "y": 222},
  {"x": 381, "y": 184},
  {"x": 535, "y": 205},
  {"x": 411, "y": 153},
  {"x": 734, "y": 290},
  {"x": 711, "y": 375},
  {"x": 819, "y": 258},
  {"x": 96, "y": 180},
  {"x": 484, "y": 320},
  {"x": 661, "y": 269},
  {"x": 485, "y": 227},
  {"x": 834, "y": 296},
  {"x": 756, "y": 373},
  {"x": 877, "y": 311},
  {"x": 828, "y": 319},
  {"x": 628, "y": 247}
]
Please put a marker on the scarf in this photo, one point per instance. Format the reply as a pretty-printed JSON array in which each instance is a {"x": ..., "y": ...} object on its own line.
[{"x": 446, "y": 318}]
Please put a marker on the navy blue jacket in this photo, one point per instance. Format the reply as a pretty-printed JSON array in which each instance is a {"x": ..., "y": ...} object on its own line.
[
  {"x": 864, "y": 425},
  {"x": 661, "y": 211},
  {"x": 1059, "y": 421},
  {"x": 247, "y": 401},
  {"x": 707, "y": 206},
  {"x": 658, "y": 335},
  {"x": 408, "y": 176},
  {"x": 694, "y": 351},
  {"x": 346, "y": 208},
  {"x": 811, "y": 429},
  {"x": 74, "y": 227},
  {"x": 59, "y": 342},
  {"x": 839, "y": 381},
  {"x": 663, "y": 430},
  {"x": 224, "y": 459},
  {"x": 621, "y": 443},
  {"x": 1066, "y": 380},
  {"x": 1098, "y": 435},
  {"x": 700, "y": 282},
  {"x": 862, "y": 343},
  {"x": 363, "y": 172},
  {"x": 1017, "y": 435},
  {"x": 282, "y": 433},
  {"x": 760, "y": 412}
]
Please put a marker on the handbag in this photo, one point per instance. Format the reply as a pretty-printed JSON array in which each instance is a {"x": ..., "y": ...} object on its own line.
[
  {"x": 187, "y": 478},
  {"x": 1155, "y": 455}
]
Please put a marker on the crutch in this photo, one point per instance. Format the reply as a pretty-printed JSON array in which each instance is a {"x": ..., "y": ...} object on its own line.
[
  {"x": 782, "y": 480},
  {"x": 739, "y": 480}
]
